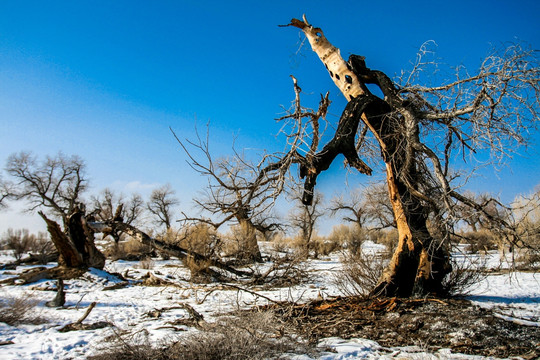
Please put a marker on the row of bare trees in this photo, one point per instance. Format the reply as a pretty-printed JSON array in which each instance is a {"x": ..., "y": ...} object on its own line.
[{"x": 55, "y": 186}]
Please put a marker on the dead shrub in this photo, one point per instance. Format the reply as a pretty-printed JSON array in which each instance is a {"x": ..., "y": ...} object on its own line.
[
  {"x": 466, "y": 272},
  {"x": 42, "y": 248},
  {"x": 147, "y": 263},
  {"x": 244, "y": 336},
  {"x": 325, "y": 247},
  {"x": 285, "y": 270},
  {"x": 348, "y": 236},
  {"x": 281, "y": 243},
  {"x": 15, "y": 310},
  {"x": 361, "y": 272},
  {"x": 482, "y": 240},
  {"x": 200, "y": 238},
  {"x": 388, "y": 238},
  {"x": 129, "y": 249},
  {"x": 528, "y": 259},
  {"x": 170, "y": 236},
  {"x": 199, "y": 269},
  {"x": 20, "y": 241},
  {"x": 241, "y": 243}
]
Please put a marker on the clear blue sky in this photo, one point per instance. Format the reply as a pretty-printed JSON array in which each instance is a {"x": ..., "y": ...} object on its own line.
[{"x": 105, "y": 79}]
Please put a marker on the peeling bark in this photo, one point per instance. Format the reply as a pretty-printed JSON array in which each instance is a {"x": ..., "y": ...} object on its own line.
[
  {"x": 76, "y": 246},
  {"x": 416, "y": 266}
]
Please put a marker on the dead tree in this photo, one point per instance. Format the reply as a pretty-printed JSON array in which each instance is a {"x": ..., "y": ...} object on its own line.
[
  {"x": 368, "y": 208},
  {"x": 108, "y": 206},
  {"x": 305, "y": 218},
  {"x": 161, "y": 203},
  {"x": 75, "y": 245},
  {"x": 55, "y": 185},
  {"x": 419, "y": 130},
  {"x": 238, "y": 191},
  {"x": 353, "y": 205}
]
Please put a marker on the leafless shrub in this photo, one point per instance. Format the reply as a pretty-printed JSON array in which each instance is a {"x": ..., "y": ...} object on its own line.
[
  {"x": 387, "y": 237},
  {"x": 529, "y": 259},
  {"x": 281, "y": 243},
  {"x": 20, "y": 309},
  {"x": 243, "y": 336},
  {"x": 147, "y": 263},
  {"x": 236, "y": 244},
  {"x": 42, "y": 247},
  {"x": 361, "y": 272},
  {"x": 348, "y": 236},
  {"x": 466, "y": 272},
  {"x": 285, "y": 270},
  {"x": 324, "y": 246},
  {"x": 20, "y": 241},
  {"x": 202, "y": 239},
  {"x": 481, "y": 240},
  {"x": 199, "y": 269},
  {"x": 130, "y": 249}
]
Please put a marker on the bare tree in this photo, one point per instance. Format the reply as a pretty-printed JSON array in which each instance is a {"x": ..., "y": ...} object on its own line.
[
  {"x": 354, "y": 205},
  {"x": 111, "y": 206},
  {"x": 55, "y": 184},
  {"x": 20, "y": 241},
  {"x": 161, "y": 204},
  {"x": 419, "y": 131},
  {"x": 5, "y": 191},
  {"x": 305, "y": 218},
  {"x": 237, "y": 191}
]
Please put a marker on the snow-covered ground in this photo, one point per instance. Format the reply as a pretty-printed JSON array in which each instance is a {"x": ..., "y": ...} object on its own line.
[{"x": 516, "y": 296}]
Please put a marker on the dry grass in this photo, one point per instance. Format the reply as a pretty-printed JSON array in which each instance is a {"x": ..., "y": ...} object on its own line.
[
  {"x": 244, "y": 336},
  {"x": 130, "y": 249},
  {"x": 15, "y": 310},
  {"x": 147, "y": 263}
]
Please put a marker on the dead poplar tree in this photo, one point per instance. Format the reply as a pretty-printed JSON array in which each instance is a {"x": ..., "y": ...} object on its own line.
[
  {"x": 232, "y": 195},
  {"x": 108, "y": 206},
  {"x": 419, "y": 130},
  {"x": 55, "y": 185}
]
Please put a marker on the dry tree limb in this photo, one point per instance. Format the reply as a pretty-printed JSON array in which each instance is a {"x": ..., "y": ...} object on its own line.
[{"x": 78, "y": 325}]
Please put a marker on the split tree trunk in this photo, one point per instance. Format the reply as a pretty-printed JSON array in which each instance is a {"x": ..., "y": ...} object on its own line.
[
  {"x": 416, "y": 267},
  {"x": 75, "y": 246}
]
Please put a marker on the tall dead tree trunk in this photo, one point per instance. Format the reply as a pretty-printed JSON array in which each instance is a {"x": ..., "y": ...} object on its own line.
[
  {"x": 75, "y": 246},
  {"x": 417, "y": 266}
]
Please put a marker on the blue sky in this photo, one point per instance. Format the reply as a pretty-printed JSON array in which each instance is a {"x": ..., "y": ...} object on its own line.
[{"x": 105, "y": 79}]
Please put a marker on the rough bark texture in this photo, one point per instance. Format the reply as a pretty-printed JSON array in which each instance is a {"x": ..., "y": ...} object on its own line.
[
  {"x": 76, "y": 246},
  {"x": 416, "y": 267}
]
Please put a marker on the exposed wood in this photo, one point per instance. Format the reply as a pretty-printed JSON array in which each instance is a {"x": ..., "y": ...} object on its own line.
[
  {"x": 78, "y": 325},
  {"x": 396, "y": 130},
  {"x": 76, "y": 246},
  {"x": 60, "y": 298}
]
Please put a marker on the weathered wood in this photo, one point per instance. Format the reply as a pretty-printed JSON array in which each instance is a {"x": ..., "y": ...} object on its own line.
[
  {"x": 415, "y": 267},
  {"x": 60, "y": 298},
  {"x": 76, "y": 246},
  {"x": 171, "y": 249}
]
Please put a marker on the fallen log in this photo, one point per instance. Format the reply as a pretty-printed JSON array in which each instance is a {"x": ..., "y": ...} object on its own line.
[
  {"x": 171, "y": 249},
  {"x": 78, "y": 325}
]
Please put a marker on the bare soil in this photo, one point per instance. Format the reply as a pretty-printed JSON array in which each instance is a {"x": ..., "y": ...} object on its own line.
[{"x": 432, "y": 324}]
